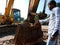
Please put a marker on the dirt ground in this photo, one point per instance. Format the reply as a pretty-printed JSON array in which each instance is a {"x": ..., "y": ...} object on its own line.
[{"x": 8, "y": 39}]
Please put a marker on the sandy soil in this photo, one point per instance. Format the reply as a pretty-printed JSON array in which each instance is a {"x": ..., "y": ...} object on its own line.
[{"x": 8, "y": 39}]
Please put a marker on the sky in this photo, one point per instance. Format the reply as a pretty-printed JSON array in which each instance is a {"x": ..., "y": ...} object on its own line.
[
  {"x": 41, "y": 5},
  {"x": 23, "y": 6}
]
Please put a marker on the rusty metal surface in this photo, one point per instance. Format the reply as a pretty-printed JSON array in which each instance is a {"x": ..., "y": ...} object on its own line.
[{"x": 27, "y": 33}]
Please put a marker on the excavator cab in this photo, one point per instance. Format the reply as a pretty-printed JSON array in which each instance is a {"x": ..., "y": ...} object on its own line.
[{"x": 15, "y": 15}]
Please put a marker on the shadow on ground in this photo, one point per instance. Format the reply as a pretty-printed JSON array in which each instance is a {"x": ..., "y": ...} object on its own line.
[
  {"x": 40, "y": 43},
  {"x": 6, "y": 34}
]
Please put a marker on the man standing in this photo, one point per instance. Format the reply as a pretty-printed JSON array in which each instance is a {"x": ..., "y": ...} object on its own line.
[{"x": 54, "y": 24}]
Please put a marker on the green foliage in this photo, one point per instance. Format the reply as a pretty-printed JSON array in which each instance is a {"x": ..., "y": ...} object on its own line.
[{"x": 58, "y": 4}]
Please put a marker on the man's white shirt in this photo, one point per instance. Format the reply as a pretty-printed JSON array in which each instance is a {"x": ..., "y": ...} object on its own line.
[{"x": 54, "y": 22}]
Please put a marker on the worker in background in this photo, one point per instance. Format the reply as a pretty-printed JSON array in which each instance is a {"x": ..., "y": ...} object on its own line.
[{"x": 54, "y": 24}]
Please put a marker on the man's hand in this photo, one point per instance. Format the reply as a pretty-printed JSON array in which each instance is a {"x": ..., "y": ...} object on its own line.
[{"x": 52, "y": 38}]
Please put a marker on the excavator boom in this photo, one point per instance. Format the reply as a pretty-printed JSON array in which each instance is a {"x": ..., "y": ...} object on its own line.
[
  {"x": 33, "y": 5},
  {"x": 7, "y": 11}
]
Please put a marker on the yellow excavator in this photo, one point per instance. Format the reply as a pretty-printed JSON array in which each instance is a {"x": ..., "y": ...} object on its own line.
[
  {"x": 5, "y": 18},
  {"x": 7, "y": 12}
]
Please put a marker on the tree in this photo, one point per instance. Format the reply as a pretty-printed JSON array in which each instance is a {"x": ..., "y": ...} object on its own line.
[{"x": 58, "y": 4}]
